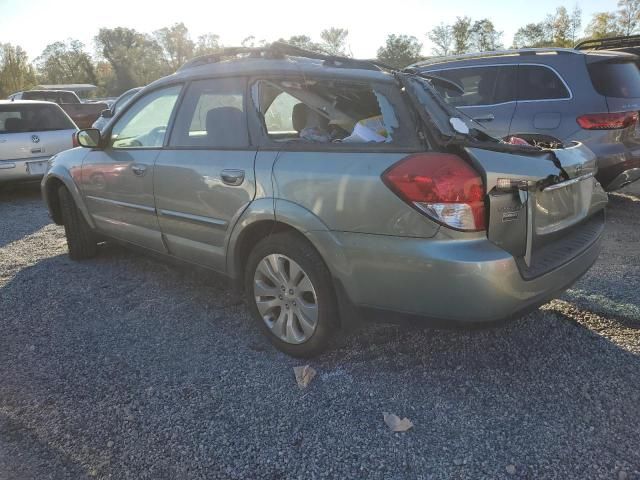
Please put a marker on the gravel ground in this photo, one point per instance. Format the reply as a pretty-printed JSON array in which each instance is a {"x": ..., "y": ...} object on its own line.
[{"x": 125, "y": 367}]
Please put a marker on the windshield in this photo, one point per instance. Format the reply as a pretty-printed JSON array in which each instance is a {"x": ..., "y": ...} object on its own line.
[{"x": 16, "y": 118}]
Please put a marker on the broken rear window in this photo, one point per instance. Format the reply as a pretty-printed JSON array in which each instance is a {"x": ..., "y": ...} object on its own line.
[{"x": 326, "y": 111}]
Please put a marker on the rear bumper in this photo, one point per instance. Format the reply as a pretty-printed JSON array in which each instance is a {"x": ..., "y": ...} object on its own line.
[
  {"x": 16, "y": 170},
  {"x": 447, "y": 281}
]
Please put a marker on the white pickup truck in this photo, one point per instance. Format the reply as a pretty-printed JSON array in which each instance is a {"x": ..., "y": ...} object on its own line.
[{"x": 30, "y": 134}]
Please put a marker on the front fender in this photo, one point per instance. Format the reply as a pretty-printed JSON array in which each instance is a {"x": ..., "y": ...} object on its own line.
[{"x": 66, "y": 168}]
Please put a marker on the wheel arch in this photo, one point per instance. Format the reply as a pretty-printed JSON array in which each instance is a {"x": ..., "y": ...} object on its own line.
[
  {"x": 54, "y": 179},
  {"x": 259, "y": 222}
]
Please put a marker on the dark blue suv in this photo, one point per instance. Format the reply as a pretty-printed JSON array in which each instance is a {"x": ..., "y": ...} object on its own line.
[{"x": 551, "y": 96}]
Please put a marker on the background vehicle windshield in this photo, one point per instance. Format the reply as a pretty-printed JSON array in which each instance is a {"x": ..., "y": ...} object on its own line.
[{"x": 15, "y": 118}]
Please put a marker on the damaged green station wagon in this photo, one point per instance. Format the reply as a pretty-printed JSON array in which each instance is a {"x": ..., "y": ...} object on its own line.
[{"x": 331, "y": 189}]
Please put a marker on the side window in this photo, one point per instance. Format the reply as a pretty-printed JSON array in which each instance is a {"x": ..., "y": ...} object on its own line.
[
  {"x": 536, "y": 82},
  {"x": 212, "y": 115},
  {"x": 325, "y": 111},
  {"x": 506, "y": 84},
  {"x": 481, "y": 85},
  {"x": 144, "y": 125}
]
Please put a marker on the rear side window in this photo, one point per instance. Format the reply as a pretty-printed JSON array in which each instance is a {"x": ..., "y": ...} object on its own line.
[
  {"x": 309, "y": 111},
  {"x": 38, "y": 95},
  {"x": 67, "y": 97},
  {"x": 33, "y": 118},
  {"x": 620, "y": 80},
  {"x": 536, "y": 82},
  {"x": 212, "y": 116},
  {"x": 481, "y": 85}
]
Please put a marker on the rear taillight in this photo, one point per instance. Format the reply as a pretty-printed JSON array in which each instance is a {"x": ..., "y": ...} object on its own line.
[
  {"x": 74, "y": 139},
  {"x": 607, "y": 121},
  {"x": 442, "y": 186}
]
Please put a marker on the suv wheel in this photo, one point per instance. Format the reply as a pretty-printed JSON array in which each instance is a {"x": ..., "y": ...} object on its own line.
[
  {"x": 81, "y": 241},
  {"x": 290, "y": 294}
]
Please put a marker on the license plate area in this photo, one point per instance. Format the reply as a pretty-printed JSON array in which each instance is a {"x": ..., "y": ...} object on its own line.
[
  {"x": 560, "y": 208},
  {"x": 37, "y": 168}
]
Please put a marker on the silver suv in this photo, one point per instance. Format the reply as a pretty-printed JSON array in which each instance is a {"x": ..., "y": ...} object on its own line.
[
  {"x": 551, "y": 95},
  {"x": 330, "y": 189}
]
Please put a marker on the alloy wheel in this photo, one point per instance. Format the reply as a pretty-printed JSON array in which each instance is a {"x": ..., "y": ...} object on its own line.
[{"x": 286, "y": 298}]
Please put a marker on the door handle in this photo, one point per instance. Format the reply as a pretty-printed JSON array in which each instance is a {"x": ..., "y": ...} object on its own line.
[
  {"x": 232, "y": 177},
  {"x": 485, "y": 118},
  {"x": 138, "y": 169}
]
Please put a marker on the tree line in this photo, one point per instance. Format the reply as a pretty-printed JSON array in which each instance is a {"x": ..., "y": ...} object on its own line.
[{"x": 125, "y": 58}]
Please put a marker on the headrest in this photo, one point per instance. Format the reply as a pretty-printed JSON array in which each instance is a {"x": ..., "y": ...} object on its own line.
[
  {"x": 226, "y": 127},
  {"x": 14, "y": 124}
]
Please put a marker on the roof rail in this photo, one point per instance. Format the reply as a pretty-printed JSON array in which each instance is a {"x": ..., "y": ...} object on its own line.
[
  {"x": 280, "y": 50},
  {"x": 495, "y": 53},
  {"x": 610, "y": 42},
  {"x": 225, "y": 54}
]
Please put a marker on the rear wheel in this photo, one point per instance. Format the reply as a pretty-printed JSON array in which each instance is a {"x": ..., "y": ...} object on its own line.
[
  {"x": 290, "y": 294},
  {"x": 81, "y": 241}
]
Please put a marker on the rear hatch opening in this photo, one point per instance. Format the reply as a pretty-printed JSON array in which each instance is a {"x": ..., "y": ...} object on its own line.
[{"x": 541, "y": 206}]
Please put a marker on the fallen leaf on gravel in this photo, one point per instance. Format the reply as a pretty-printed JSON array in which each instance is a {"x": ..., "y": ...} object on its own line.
[
  {"x": 395, "y": 424},
  {"x": 304, "y": 375}
]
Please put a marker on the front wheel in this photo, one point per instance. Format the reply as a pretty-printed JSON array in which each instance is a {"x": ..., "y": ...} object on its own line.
[
  {"x": 290, "y": 294},
  {"x": 81, "y": 241}
]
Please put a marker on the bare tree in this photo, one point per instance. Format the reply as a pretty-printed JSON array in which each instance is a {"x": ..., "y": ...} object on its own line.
[
  {"x": 335, "y": 40},
  {"x": 575, "y": 22},
  {"x": 628, "y": 16},
  {"x": 442, "y": 38}
]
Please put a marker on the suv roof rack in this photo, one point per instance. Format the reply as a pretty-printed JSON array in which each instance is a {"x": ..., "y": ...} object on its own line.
[
  {"x": 610, "y": 42},
  {"x": 281, "y": 50},
  {"x": 496, "y": 53}
]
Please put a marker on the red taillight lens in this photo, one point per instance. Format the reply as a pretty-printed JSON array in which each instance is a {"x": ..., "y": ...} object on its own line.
[
  {"x": 442, "y": 186},
  {"x": 607, "y": 121},
  {"x": 74, "y": 139}
]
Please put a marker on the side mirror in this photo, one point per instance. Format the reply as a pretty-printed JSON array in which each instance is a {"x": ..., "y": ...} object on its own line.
[
  {"x": 89, "y": 137},
  {"x": 106, "y": 113}
]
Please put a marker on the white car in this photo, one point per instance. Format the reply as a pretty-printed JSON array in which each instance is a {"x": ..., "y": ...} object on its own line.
[{"x": 31, "y": 132}]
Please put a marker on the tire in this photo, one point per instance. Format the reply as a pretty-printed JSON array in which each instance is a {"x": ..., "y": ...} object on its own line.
[
  {"x": 81, "y": 241},
  {"x": 286, "y": 316}
]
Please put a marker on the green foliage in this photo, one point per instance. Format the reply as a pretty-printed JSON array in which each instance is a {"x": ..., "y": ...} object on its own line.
[
  {"x": 484, "y": 37},
  {"x": 400, "y": 51},
  {"x": 461, "y": 35},
  {"x": 65, "y": 62},
  {"x": 16, "y": 73},
  {"x": 603, "y": 24},
  {"x": 176, "y": 44},
  {"x": 136, "y": 58},
  {"x": 207, "y": 43}
]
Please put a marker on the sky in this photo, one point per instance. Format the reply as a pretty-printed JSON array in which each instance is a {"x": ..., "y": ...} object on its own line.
[{"x": 33, "y": 24}]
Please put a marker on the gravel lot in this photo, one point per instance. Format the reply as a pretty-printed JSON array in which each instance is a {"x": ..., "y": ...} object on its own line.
[{"x": 125, "y": 367}]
